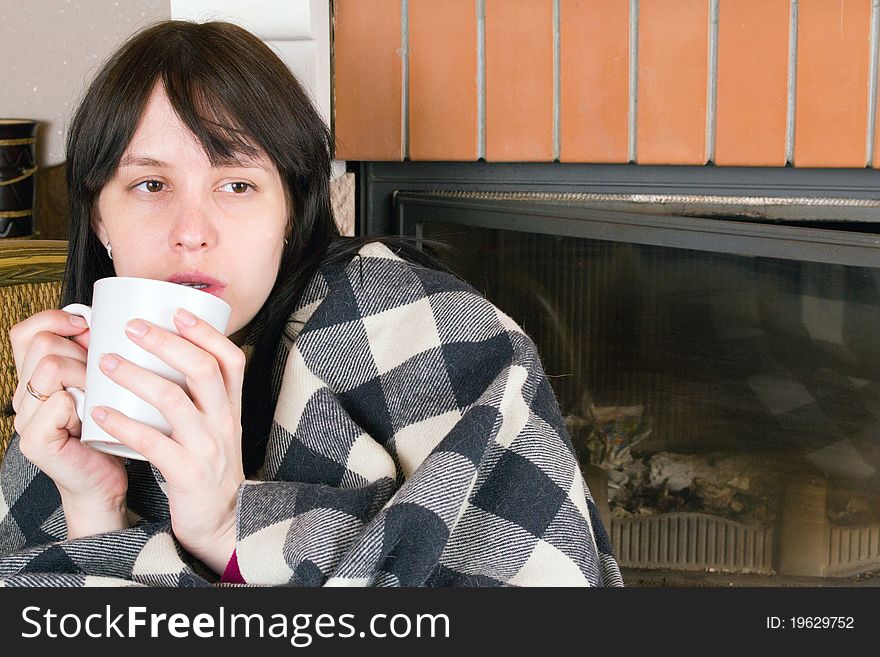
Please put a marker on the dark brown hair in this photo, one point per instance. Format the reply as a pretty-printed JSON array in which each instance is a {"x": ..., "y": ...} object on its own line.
[{"x": 235, "y": 95}]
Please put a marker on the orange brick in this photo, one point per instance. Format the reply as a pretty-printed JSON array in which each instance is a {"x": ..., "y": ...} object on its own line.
[
  {"x": 442, "y": 80},
  {"x": 367, "y": 80},
  {"x": 594, "y": 81},
  {"x": 519, "y": 80},
  {"x": 831, "y": 109},
  {"x": 672, "y": 78},
  {"x": 752, "y": 91}
]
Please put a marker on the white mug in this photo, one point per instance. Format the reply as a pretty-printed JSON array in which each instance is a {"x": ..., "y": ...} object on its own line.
[{"x": 115, "y": 301}]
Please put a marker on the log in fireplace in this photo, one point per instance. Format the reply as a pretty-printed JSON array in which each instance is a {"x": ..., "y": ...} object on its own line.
[{"x": 713, "y": 338}]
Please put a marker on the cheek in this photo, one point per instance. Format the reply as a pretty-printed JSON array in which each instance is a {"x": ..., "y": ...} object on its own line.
[
  {"x": 136, "y": 240},
  {"x": 260, "y": 277},
  {"x": 135, "y": 253},
  {"x": 272, "y": 251},
  {"x": 265, "y": 275}
]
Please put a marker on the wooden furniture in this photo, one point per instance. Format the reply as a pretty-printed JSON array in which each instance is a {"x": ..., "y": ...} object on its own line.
[{"x": 30, "y": 281}]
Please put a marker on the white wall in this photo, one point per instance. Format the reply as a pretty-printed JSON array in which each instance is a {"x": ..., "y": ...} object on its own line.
[{"x": 50, "y": 49}]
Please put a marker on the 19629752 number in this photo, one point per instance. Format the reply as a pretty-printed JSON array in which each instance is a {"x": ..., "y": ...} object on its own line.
[{"x": 811, "y": 623}]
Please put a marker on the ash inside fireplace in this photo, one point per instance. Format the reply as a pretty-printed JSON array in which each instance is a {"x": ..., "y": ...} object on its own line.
[
  {"x": 721, "y": 511},
  {"x": 739, "y": 487}
]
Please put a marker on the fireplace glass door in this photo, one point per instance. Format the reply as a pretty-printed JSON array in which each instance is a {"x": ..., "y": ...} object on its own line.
[{"x": 724, "y": 403}]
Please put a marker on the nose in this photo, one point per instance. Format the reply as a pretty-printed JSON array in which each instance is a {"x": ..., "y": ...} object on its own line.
[{"x": 192, "y": 228}]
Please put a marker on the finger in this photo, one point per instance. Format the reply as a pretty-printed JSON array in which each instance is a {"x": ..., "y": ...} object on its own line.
[
  {"x": 51, "y": 321},
  {"x": 212, "y": 364},
  {"x": 42, "y": 345},
  {"x": 47, "y": 431},
  {"x": 229, "y": 357},
  {"x": 153, "y": 445},
  {"x": 51, "y": 375},
  {"x": 168, "y": 397},
  {"x": 82, "y": 339}
]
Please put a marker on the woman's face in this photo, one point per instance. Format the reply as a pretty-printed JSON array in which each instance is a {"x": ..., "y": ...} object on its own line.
[{"x": 170, "y": 215}]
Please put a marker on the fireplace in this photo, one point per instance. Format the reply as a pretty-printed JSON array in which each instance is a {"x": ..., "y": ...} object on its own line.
[{"x": 714, "y": 344}]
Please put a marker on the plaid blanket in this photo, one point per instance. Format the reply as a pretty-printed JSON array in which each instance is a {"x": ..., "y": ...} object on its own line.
[{"x": 416, "y": 442}]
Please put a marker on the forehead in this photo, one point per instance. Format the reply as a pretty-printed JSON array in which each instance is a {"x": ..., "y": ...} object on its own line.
[
  {"x": 161, "y": 137},
  {"x": 158, "y": 114}
]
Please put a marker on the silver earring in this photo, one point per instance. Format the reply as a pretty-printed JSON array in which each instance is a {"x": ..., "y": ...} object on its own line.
[{"x": 109, "y": 251}]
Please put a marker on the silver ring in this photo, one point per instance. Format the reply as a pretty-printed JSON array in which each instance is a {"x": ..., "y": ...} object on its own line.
[{"x": 33, "y": 393}]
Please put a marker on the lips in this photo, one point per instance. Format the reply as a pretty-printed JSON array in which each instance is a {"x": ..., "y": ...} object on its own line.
[{"x": 199, "y": 281}]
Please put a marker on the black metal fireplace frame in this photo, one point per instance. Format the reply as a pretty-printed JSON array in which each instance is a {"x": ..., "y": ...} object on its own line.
[
  {"x": 379, "y": 182},
  {"x": 402, "y": 198},
  {"x": 413, "y": 209}
]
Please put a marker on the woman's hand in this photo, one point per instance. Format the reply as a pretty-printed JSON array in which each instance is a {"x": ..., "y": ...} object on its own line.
[
  {"x": 201, "y": 461},
  {"x": 92, "y": 484}
]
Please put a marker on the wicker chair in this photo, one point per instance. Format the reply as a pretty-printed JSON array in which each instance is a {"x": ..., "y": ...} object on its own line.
[{"x": 30, "y": 281}]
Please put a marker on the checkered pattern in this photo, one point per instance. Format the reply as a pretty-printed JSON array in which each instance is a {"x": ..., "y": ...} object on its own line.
[
  {"x": 800, "y": 358},
  {"x": 785, "y": 349},
  {"x": 416, "y": 442}
]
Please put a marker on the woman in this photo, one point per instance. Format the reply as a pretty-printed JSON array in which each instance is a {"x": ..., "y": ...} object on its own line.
[{"x": 369, "y": 420}]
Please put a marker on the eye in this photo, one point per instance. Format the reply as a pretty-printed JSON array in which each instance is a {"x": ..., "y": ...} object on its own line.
[
  {"x": 237, "y": 187},
  {"x": 151, "y": 186}
]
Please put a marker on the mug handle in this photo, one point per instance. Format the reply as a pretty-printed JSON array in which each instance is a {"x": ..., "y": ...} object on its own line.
[{"x": 79, "y": 396}]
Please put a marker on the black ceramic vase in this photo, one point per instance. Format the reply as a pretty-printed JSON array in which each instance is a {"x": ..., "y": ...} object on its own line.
[{"x": 18, "y": 166}]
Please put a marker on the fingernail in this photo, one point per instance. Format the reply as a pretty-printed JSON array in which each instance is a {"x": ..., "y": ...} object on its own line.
[
  {"x": 184, "y": 317},
  {"x": 136, "y": 328},
  {"x": 99, "y": 414},
  {"x": 109, "y": 362},
  {"x": 78, "y": 321}
]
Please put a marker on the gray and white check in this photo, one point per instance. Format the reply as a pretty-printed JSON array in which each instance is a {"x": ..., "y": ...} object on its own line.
[{"x": 416, "y": 442}]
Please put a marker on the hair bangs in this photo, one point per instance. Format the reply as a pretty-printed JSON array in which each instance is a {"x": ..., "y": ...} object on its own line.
[{"x": 197, "y": 97}]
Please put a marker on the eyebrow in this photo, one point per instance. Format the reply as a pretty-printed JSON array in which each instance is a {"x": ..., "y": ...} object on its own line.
[
  {"x": 243, "y": 162},
  {"x": 141, "y": 161}
]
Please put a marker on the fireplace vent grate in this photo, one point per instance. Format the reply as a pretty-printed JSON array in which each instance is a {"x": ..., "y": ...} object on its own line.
[
  {"x": 692, "y": 541},
  {"x": 853, "y": 550}
]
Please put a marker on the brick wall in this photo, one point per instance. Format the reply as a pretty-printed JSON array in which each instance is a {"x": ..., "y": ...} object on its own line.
[{"x": 729, "y": 82}]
